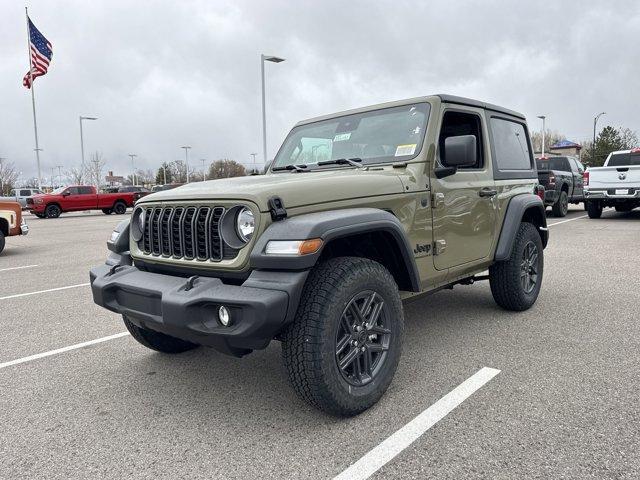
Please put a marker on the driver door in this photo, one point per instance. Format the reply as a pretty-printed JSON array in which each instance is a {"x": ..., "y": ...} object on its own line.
[{"x": 464, "y": 204}]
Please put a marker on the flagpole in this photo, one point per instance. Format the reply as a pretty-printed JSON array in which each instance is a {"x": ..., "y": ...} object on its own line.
[{"x": 33, "y": 100}]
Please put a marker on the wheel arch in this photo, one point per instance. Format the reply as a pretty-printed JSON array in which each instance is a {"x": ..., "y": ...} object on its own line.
[
  {"x": 521, "y": 208},
  {"x": 362, "y": 232},
  {"x": 4, "y": 226}
]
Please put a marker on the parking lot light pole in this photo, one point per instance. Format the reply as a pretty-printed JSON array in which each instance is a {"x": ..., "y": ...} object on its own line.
[
  {"x": 265, "y": 58},
  {"x": 133, "y": 168},
  {"x": 186, "y": 159},
  {"x": 543, "y": 118},
  {"x": 595, "y": 123},
  {"x": 82, "y": 140}
]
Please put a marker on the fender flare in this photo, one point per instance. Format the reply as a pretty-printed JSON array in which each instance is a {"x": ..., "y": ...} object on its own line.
[
  {"x": 328, "y": 226},
  {"x": 516, "y": 210}
]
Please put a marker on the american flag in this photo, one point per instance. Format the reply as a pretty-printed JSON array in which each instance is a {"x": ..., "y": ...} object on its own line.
[{"x": 41, "y": 53}]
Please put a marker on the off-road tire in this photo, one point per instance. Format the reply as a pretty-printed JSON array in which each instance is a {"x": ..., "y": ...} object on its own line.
[
  {"x": 594, "y": 209},
  {"x": 119, "y": 208},
  {"x": 561, "y": 207},
  {"x": 505, "y": 276},
  {"x": 157, "y": 341},
  {"x": 107, "y": 211},
  {"x": 310, "y": 342},
  {"x": 52, "y": 211},
  {"x": 2, "y": 241}
]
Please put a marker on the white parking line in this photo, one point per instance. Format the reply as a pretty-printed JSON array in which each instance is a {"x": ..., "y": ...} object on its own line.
[
  {"x": 565, "y": 221},
  {"x": 17, "y": 268},
  {"x": 62, "y": 350},
  {"x": 44, "y": 291},
  {"x": 396, "y": 443}
]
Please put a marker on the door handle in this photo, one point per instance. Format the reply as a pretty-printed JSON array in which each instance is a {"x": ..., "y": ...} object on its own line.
[{"x": 486, "y": 192}]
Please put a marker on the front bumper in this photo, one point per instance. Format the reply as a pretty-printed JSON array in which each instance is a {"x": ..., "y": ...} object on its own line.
[{"x": 260, "y": 307}]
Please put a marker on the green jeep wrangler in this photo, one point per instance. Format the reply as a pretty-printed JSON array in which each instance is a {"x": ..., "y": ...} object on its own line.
[{"x": 359, "y": 211}]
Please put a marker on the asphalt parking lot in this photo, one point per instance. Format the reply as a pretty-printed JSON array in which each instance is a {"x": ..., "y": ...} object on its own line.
[{"x": 564, "y": 405}]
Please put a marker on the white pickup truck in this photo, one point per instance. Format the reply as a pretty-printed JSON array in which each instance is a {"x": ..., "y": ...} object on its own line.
[{"x": 616, "y": 184}]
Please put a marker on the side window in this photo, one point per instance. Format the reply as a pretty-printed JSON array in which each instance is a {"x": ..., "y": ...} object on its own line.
[
  {"x": 580, "y": 166},
  {"x": 25, "y": 193},
  {"x": 85, "y": 190},
  {"x": 511, "y": 145},
  {"x": 458, "y": 123},
  {"x": 73, "y": 190}
]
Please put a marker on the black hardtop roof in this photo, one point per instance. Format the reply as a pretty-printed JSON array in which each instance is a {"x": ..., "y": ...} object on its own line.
[{"x": 477, "y": 103}]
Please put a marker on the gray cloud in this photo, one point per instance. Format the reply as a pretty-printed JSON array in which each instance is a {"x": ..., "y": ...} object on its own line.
[{"x": 164, "y": 74}]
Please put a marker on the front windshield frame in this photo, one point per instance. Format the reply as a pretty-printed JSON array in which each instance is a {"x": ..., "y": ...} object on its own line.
[
  {"x": 58, "y": 190},
  {"x": 281, "y": 161}
]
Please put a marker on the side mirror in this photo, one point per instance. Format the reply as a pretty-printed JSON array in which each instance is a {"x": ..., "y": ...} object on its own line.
[
  {"x": 459, "y": 151},
  {"x": 66, "y": 193}
]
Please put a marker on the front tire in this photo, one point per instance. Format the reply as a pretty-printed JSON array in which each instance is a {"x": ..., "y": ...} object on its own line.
[
  {"x": 561, "y": 207},
  {"x": 52, "y": 211},
  {"x": 594, "y": 209},
  {"x": 157, "y": 341},
  {"x": 106, "y": 211},
  {"x": 515, "y": 283},
  {"x": 120, "y": 208},
  {"x": 2, "y": 241},
  {"x": 343, "y": 347}
]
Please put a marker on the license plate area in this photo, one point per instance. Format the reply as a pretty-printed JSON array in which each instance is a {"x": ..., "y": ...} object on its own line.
[{"x": 622, "y": 191}]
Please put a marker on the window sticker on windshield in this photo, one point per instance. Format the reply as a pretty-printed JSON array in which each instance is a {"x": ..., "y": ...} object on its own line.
[
  {"x": 341, "y": 137},
  {"x": 405, "y": 149}
]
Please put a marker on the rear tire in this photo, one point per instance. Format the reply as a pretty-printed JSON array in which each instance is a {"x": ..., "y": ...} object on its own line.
[
  {"x": 39, "y": 215},
  {"x": 561, "y": 207},
  {"x": 2, "y": 242},
  {"x": 594, "y": 209},
  {"x": 52, "y": 211},
  {"x": 343, "y": 347},
  {"x": 119, "y": 208},
  {"x": 515, "y": 283},
  {"x": 106, "y": 211},
  {"x": 157, "y": 341}
]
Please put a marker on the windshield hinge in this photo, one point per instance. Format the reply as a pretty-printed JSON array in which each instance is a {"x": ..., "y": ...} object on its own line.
[{"x": 276, "y": 208}]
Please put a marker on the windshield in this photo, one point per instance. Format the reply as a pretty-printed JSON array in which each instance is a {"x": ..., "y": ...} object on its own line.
[
  {"x": 387, "y": 135},
  {"x": 624, "y": 160},
  {"x": 58, "y": 190}
]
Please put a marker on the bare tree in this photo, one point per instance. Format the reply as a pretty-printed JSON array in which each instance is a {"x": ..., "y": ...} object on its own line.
[
  {"x": 179, "y": 170},
  {"x": 225, "y": 168},
  {"x": 8, "y": 176},
  {"x": 76, "y": 174},
  {"x": 94, "y": 170},
  {"x": 32, "y": 182},
  {"x": 550, "y": 138}
]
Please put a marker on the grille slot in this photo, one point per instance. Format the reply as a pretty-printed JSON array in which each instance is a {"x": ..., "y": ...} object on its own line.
[{"x": 185, "y": 233}]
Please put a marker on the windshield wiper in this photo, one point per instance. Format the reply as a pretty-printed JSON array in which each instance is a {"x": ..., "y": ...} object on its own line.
[
  {"x": 298, "y": 168},
  {"x": 354, "y": 162}
]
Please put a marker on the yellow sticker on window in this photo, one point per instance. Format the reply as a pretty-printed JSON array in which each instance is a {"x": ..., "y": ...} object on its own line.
[{"x": 409, "y": 149}]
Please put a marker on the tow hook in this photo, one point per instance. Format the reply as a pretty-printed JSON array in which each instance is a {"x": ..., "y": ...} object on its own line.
[{"x": 190, "y": 283}]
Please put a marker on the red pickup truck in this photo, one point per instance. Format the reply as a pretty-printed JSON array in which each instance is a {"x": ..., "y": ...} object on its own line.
[{"x": 77, "y": 198}]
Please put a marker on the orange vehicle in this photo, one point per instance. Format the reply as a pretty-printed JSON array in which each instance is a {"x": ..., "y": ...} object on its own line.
[{"x": 11, "y": 221}]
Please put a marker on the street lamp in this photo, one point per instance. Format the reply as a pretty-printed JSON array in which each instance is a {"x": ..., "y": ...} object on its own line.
[
  {"x": 543, "y": 118},
  {"x": 595, "y": 122},
  {"x": 82, "y": 139},
  {"x": 265, "y": 58},
  {"x": 186, "y": 159},
  {"x": 133, "y": 168}
]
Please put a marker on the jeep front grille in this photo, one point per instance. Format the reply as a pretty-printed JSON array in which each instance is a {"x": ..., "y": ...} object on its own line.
[{"x": 190, "y": 233}]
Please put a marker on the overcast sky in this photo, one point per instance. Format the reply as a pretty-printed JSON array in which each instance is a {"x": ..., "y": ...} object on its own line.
[{"x": 163, "y": 74}]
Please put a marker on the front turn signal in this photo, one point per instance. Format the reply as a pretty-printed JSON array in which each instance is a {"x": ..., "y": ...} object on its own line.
[{"x": 293, "y": 247}]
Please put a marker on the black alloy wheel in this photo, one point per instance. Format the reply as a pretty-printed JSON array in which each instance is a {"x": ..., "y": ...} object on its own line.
[
  {"x": 362, "y": 338},
  {"x": 529, "y": 268}
]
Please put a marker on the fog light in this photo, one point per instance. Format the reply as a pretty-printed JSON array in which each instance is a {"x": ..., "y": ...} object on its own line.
[{"x": 224, "y": 316}]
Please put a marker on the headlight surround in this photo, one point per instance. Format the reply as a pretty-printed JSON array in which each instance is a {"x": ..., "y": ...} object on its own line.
[
  {"x": 245, "y": 224},
  {"x": 137, "y": 224}
]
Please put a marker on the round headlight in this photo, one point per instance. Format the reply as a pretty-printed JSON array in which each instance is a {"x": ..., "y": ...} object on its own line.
[
  {"x": 245, "y": 224},
  {"x": 137, "y": 224}
]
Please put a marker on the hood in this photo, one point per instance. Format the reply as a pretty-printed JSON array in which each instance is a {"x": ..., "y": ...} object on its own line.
[{"x": 295, "y": 189}]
